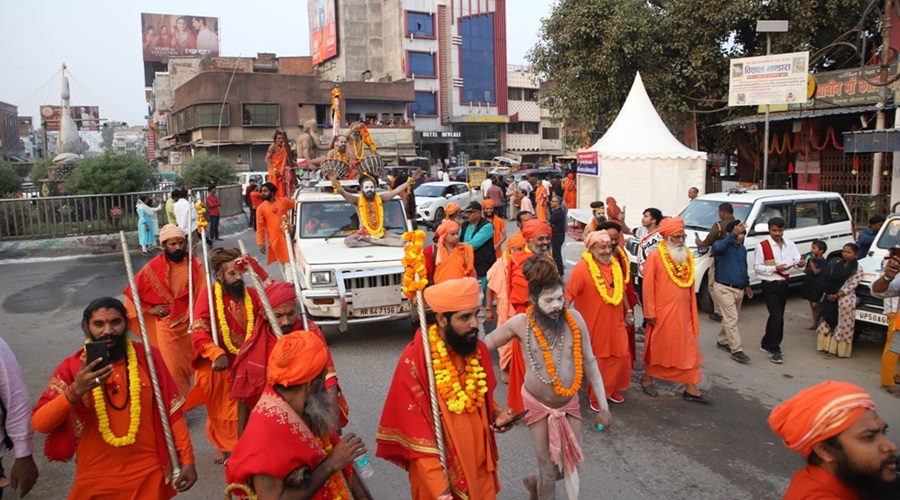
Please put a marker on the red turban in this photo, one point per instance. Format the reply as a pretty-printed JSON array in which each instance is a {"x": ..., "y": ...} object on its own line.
[
  {"x": 818, "y": 413},
  {"x": 453, "y": 295},
  {"x": 532, "y": 228},
  {"x": 280, "y": 293},
  {"x": 297, "y": 358},
  {"x": 451, "y": 209},
  {"x": 488, "y": 203},
  {"x": 670, "y": 226},
  {"x": 596, "y": 236}
]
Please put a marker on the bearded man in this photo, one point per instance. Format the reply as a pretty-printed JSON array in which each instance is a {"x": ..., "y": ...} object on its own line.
[
  {"x": 308, "y": 146},
  {"x": 597, "y": 288},
  {"x": 406, "y": 434},
  {"x": 249, "y": 373},
  {"x": 269, "y": 219},
  {"x": 369, "y": 207},
  {"x": 551, "y": 384},
  {"x": 449, "y": 259},
  {"x": 671, "y": 351},
  {"x": 599, "y": 211},
  {"x": 115, "y": 430},
  {"x": 235, "y": 309},
  {"x": 614, "y": 229},
  {"x": 497, "y": 223},
  {"x": 290, "y": 448},
  {"x": 163, "y": 288},
  {"x": 498, "y": 288},
  {"x": 835, "y": 427}
]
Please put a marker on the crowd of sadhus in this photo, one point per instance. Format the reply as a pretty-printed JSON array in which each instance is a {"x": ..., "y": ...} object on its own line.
[{"x": 275, "y": 409}]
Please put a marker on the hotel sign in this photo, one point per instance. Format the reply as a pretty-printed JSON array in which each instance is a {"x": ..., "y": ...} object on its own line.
[{"x": 441, "y": 135}]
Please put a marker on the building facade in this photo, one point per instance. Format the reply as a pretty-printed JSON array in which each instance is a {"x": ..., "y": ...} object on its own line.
[{"x": 9, "y": 132}]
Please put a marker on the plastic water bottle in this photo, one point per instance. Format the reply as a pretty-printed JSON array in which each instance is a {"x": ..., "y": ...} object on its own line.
[{"x": 363, "y": 466}]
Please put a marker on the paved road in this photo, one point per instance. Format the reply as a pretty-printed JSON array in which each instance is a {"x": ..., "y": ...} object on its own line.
[{"x": 661, "y": 447}]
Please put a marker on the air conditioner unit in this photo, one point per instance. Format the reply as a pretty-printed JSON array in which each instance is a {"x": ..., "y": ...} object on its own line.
[
  {"x": 456, "y": 39},
  {"x": 457, "y": 82}
]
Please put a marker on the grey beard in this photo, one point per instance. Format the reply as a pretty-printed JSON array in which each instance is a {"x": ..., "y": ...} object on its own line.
[
  {"x": 678, "y": 252},
  {"x": 606, "y": 259},
  {"x": 546, "y": 321},
  {"x": 317, "y": 412}
]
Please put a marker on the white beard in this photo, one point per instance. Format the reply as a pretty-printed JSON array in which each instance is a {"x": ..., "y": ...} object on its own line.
[{"x": 678, "y": 252}]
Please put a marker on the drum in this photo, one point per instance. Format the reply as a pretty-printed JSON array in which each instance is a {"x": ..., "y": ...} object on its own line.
[
  {"x": 335, "y": 166},
  {"x": 372, "y": 166}
]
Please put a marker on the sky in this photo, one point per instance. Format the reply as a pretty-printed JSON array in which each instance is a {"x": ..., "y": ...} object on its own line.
[{"x": 100, "y": 43}]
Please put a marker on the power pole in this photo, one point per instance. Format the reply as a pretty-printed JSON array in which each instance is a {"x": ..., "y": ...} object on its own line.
[{"x": 878, "y": 158}]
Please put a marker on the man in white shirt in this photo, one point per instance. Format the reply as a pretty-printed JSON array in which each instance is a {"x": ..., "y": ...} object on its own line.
[
  {"x": 15, "y": 423},
  {"x": 485, "y": 185},
  {"x": 445, "y": 177},
  {"x": 525, "y": 185},
  {"x": 186, "y": 215},
  {"x": 206, "y": 39},
  {"x": 775, "y": 257}
]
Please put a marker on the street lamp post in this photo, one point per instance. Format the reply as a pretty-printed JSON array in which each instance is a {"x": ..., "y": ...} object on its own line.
[{"x": 768, "y": 27}]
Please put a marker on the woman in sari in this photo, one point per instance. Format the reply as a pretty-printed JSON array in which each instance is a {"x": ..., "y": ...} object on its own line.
[
  {"x": 837, "y": 309},
  {"x": 146, "y": 214}
]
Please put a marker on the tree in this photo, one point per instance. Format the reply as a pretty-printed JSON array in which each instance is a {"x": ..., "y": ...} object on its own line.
[
  {"x": 10, "y": 183},
  {"x": 109, "y": 173},
  {"x": 205, "y": 169},
  {"x": 39, "y": 171}
]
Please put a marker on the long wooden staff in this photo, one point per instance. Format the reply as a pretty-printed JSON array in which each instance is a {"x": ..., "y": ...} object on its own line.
[
  {"x": 151, "y": 366},
  {"x": 190, "y": 245},
  {"x": 213, "y": 326},
  {"x": 432, "y": 390},
  {"x": 285, "y": 225},
  {"x": 270, "y": 314}
]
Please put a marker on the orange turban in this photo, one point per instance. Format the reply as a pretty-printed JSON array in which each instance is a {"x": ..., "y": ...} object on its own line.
[
  {"x": 532, "y": 228},
  {"x": 280, "y": 293},
  {"x": 596, "y": 236},
  {"x": 451, "y": 209},
  {"x": 446, "y": 227},
  {"x": 170, "y": 231},
  {"x": 453, "y": 295},
  {"x": 488, "y": 203},
  {"x": 670, "y": 226},
  {"x": 297, "y": 358},
  {"x": 818, "y": 413},
  {"x": 516, "y": 241}
]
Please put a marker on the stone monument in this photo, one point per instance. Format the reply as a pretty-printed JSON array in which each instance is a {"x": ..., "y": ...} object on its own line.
[{"x": 68, "y": 143}]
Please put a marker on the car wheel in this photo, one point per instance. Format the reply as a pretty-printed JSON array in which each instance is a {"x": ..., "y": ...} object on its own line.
[
  {"x": 704, "y": 298},
  {"x": 438, "y": 215}
]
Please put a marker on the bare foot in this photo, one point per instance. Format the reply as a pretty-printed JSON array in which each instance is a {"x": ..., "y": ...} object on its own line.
[
  {"x": 219, "y": 457},
  {"x": 813, "y": 327},
  {"x": 530, "y": 483}
]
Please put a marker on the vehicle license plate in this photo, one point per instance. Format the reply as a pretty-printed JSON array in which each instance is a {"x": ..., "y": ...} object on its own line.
[
  {"x": 871, "y": 317},
  {"x": 376, "y": 311}
]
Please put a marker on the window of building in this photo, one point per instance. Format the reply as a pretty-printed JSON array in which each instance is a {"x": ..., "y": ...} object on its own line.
[
  {"x": 425, "y": 104},
  {"x": 211, "y": 115},
  {"x": 190, "y": 120},
  {"x": 420, "y": 24},
  {"x": 421, "y": 64},
  {"x": 550, "y": 133},
  {"x": 260, "y": 115},
  {"x": 477, "y": 59},
  {"x": 523, "y": 128}
]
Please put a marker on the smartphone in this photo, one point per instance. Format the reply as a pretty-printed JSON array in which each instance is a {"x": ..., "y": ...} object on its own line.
[
  {"x": 515, "y": 418},
  {"x": 97, "y": 350},
  {"x": 809, "y": 256}
]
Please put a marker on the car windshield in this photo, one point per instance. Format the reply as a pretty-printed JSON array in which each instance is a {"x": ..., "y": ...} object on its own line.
[
  {"x": 700, "y": 215},
  {"x": 890, "y": 236},
  {"x": 321, "y": 219},
  {"x": 430, "y": 191}
]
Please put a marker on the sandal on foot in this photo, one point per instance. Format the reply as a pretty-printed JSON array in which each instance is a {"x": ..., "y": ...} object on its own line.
[{"x": 650, "y": 390}]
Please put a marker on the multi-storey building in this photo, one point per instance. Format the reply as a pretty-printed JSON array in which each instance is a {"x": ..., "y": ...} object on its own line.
[{"x": 9, "y": 132}]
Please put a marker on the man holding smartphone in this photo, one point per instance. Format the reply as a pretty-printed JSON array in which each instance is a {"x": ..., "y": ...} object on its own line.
[
  {"x": 730, "y": 285},
  {"x": 15, "y": 424},
  {"x": 887, "y": 287}
]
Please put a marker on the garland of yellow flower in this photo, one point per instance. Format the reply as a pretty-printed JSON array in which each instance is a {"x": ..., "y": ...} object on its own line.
[
  {"x": 367, "y": 140},
  {"x": 223, "y": 323},
  {"x": 680, "y": 274},
  {"x": 375, "y": 228},
  {"x": 134, "y": 394},
  {"x": 344, "y": 157},
  {"x": 337, "y": 487},
  {"x": 202, "y": 223},
  {"x": 600, "y": 284},
  {"x": 548, "y": 354},
  {"x": 336, "y": 102},
  {"x": 459, "y": 399},
  {"x": 414, "y": 262},
  {"x": 359, "y": 153},
  {"x": 627, "y": 266}
]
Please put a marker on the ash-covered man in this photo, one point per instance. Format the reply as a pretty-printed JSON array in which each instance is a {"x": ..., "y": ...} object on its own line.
[
  {"x": 550, "y": 391},
  {"x": 599, "y": 210},
  {"x": 370, "y": 207}
]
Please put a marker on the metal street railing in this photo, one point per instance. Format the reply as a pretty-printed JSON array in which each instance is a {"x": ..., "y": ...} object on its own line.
[{"x": 77, "y": 215}]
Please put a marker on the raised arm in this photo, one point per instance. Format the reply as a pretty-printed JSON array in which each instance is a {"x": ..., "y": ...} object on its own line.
[
  {"x": 505, "y": 332},
  {"x": 399, "y": 189}
]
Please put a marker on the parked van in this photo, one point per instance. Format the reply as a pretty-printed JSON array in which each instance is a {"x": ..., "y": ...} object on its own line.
[
  {"x": 808, "y": 216},
  {"x": 244, "y": 178}
]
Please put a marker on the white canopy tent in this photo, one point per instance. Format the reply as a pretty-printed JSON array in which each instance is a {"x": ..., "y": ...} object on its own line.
[{"x": 641, "y": 164}]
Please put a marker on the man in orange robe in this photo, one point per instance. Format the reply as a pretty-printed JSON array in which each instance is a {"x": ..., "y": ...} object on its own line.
[
  {"x": 541, "y": 200},
  {"x": 498, "y": 288},
  {"x": 449, "y": 259},
  {"x": 163, "y": 289},
  {"x": 69, "y": 413},
  {"x": 835, "y": 427},
  {"x": 269, "y": 218},
  {"x": 214, "y": 357},
  {"x": 499, "y": 226},
  {"x": 671, "y": 351},
  {"x": 570, "y": 191},
  {"x": 604, "y": 314},
  {"x": 280, "y": 160},
  {"x": 290, "y": 448},
  {"x": 537, "y": 236},
  {"x": 406, "y": 434}
]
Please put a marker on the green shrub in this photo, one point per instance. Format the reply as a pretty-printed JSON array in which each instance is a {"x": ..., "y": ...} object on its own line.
[
  {"x": 204, "y": 169},
  {"x": 110, "y": 173},
  {"x": 10, "y": 183},
  {"x": 39, "y": 170}
]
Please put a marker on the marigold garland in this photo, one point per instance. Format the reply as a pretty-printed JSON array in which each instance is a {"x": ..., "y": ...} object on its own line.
[
  {"x": 134, "y": 394},
  {"x": 548, "y": 353},
  {"x": 202, "y": 223},
  {"x": 600, "y": 284},
  {"x": 458, "y": 398},
  {"x": 336, "y": 102},
  {"x": 375, "y": 228},
  {"x": 337, "y": 487},
  {"x": 223, "y": 323},
  {"x": 680, "y": 274},
  {"x": 414, "y": 262}
]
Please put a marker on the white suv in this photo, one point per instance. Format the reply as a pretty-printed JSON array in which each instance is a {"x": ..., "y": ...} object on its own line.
[
  {"x": 870, "y": 309},
  {"x": 343, "y": 285},
  {"x": 808, "y": 216}
]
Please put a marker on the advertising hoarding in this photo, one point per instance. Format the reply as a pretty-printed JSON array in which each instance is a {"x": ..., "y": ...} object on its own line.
[
  {"x": 771, "y": 79},
  {"x": 86, "y": 117},
  {"x": 322, "y": 30},
  {"x": 176, "y": 35},
  {"x": 588, "y": 163}
]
